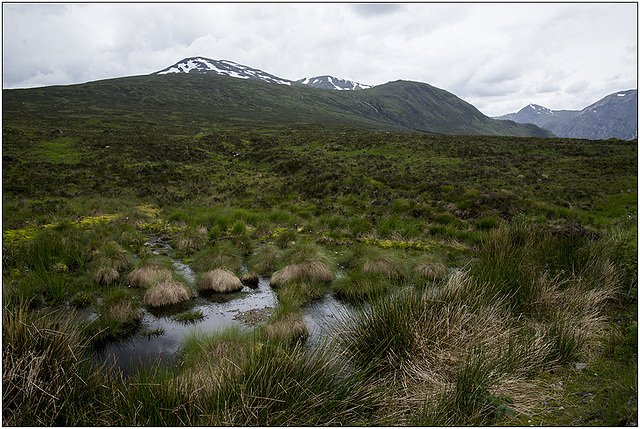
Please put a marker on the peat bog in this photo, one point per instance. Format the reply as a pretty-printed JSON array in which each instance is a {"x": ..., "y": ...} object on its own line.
[{"x": 469, "y": 280}]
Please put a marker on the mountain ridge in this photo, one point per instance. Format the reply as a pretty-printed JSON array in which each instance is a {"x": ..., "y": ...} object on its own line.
[
  {"x": 212, "y": 97},
  {"x": 613, "y": 116}
]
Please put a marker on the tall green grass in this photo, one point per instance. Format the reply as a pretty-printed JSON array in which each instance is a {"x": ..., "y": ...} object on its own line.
[{"x": 46, "y": 370}]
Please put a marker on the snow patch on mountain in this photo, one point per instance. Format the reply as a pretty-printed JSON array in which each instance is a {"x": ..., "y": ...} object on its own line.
[
  {"x": 223, "y": 67},
  {"x": 331, "y": 82}
]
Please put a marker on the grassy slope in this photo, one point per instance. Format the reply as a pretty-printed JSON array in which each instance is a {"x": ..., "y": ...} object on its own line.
[{"x": 406, "y": 106}]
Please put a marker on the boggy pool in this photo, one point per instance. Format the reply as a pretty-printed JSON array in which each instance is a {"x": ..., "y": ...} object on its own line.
[{"x": 243, "y": 309}]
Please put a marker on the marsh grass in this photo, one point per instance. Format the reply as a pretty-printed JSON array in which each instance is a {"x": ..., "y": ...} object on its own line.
[
  {"x": 480, "y": 343},
  {"x": 266, "y": 259},
  {"x": 208, "y": 358},
  {"x": 191, "y": 239},
  {"x": 219, "y": 280},
  {"x": 223, "y": 254},
  {"x": 45, "y": 369},
  {"x": 167, "y": 292},
  {"x": 276, "y": 382},
  {"x": 107, "y": 262},
  {"x": 119, "y": 315},
  {"x": 302, "y": 272},
  {"x": 149, "y": 273}
]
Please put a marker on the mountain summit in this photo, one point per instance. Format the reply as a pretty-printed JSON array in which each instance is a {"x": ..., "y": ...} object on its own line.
[
  {"x": 223, "y": 67},
  {"x": 330, "y": 82},
  {"x": 233, "y": 69}
]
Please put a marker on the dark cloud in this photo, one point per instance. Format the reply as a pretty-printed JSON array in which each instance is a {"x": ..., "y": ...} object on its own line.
[{"x": 376, "y": 9}]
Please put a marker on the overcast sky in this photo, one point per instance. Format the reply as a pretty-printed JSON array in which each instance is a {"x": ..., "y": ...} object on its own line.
[{"x": 497, "y": 56}]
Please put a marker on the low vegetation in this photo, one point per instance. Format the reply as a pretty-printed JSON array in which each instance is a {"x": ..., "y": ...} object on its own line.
[{"x": 492, "y": 280}]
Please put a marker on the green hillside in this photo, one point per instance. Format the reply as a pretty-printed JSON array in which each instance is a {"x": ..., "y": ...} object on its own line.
[{"x": 397, "y": 106}]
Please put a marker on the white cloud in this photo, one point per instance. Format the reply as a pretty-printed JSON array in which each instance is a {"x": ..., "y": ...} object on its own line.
[{"x": 497, "y": 56}]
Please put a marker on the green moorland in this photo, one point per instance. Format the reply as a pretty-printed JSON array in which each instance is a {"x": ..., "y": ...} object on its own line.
[{"x": 496, "y": 276}]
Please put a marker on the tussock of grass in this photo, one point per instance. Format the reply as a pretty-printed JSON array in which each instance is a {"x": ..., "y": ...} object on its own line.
[
  {"x": 148, "y": 274},
  {"x": 287, "y": 328},
  {"x": 430, "y": 270},
  {"x": 167, "y": 292},
  {"x": 219, "y": 280},
  {"x": 374, "y": 260},
  {"x": 191, "y": 239},
  {"x": 383, "y": 267},
  {"x": 300, "y": 272},
  {"x": 306, "y": 252},
  {"x": 266, "y": 259},
  {"x": 108, "y": 261},
  {"x": 118, "y": 316},
  {"x": 358, "y": 286},
  {"x": 250, "y": 279},
  {"x": 221, "y": 255}
]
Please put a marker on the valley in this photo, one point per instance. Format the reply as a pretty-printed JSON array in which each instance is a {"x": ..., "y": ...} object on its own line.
[{"x": 467, "y": 271}]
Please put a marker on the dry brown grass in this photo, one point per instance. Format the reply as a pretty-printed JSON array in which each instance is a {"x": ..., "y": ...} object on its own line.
[
  {"x": 220, "y": 280},
  {"x": 431, "y": 270},
  {"x": 167, "y": 292},
  {"x": 453, "y": 326},
  {"x": 383, "y": 266},
  {"x": 304, "y": 271},
  {"x": 105, "y": 275},
  {"x": 287, "y": 328},
  {"x": 147, "y": 275},
  {"x": 250, "y": 279}
]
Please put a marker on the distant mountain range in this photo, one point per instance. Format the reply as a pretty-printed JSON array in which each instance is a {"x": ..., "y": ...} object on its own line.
[{"x": 614, "y": 116}]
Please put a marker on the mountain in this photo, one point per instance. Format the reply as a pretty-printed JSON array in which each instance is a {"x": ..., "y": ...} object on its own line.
[
  {"x": 614, "y": 116},
  {"x": 223, "y": 67},
  {"x": 330, "y": 82},
  {"x": 188, "y": 93},
  {"x": 539, "y": 115}
]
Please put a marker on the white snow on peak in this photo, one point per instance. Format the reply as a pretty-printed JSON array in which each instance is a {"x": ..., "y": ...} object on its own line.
[
  {"x": 621, "y": 95},
  {"x": 223, "y": 67}
]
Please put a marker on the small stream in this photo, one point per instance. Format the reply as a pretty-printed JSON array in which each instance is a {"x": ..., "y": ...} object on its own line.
[{"x": 220, "y": 310}]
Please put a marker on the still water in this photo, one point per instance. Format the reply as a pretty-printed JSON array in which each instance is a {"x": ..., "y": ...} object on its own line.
[{"x": 219, "y": 310}]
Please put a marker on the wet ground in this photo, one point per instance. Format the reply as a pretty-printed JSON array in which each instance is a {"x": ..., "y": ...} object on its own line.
[{"x": 245, "y": 309}]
